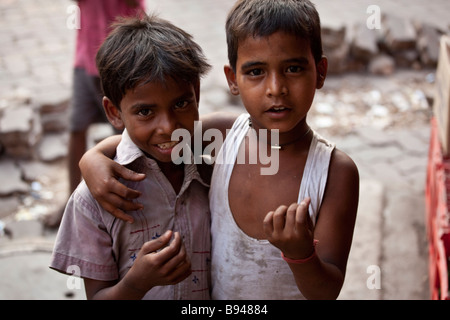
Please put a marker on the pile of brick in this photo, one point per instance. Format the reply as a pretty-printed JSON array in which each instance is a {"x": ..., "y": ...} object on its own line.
[
  {"x": 32, "y": 135},
  {"x": 30, "y": 130},
  {"x": 398, "y": 43}
]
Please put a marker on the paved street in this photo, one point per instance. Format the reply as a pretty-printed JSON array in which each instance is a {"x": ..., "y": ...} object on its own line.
[{"x": 389, "y": 257}]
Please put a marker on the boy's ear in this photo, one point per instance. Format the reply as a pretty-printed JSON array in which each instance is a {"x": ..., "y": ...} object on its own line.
[
  {"x": 231, "y": 79},
  {"x": 322, "y": 68},
  {"x": 113, "y": 114}
]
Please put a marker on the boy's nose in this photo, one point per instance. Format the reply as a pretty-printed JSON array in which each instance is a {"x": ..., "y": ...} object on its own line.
[
  {"x": 166, "y": 124},
  {"x": 276, "y": 86}
]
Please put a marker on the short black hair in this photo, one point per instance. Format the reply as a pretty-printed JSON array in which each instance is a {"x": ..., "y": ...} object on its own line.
[
  {"x": 144, "y": 49},
  {"x": 261, "y": 18}
]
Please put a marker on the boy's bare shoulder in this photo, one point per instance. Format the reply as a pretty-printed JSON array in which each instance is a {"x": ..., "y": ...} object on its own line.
[
  {"x": 218, "y": 120},
  {"x": 342, "y": 165},
  {"x": 342, "y": 158}
]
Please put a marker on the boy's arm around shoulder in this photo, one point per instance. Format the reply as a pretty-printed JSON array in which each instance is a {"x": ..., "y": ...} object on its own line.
[
  {"x": 101, "y": 175},
  {"x": 220, "y": 120},
  {"x": 322, "y": 278}
]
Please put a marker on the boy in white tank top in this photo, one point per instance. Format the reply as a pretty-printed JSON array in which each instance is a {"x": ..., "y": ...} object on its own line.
[{"x": 284, "y": 235}]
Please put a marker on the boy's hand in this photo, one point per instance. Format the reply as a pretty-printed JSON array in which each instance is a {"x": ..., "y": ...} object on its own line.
[
  {"x": 159, "y": 264},
  {"x": 101, "y": 176},
  {"x": 290, "y": 229}
]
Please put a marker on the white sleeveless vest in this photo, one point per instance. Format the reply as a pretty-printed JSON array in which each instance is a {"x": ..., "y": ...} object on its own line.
[{"x": 243, "y": 267}]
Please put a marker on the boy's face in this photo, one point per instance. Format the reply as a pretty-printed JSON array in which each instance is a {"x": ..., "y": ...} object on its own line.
[
  {"x": 276, "y": 77},
  {"x": 151, "y": 112}
]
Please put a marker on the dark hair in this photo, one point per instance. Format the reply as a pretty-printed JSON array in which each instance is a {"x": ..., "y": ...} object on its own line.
[
  {"x": 145, "y": 49},
  {"x": 261, "y": 18}
]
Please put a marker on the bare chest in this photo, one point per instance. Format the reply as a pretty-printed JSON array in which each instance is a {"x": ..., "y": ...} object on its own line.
[{"x": 252, "y": 195}]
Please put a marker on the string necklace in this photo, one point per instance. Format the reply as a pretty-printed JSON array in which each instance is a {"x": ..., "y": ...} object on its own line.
[{"x": 279, "y": 146}]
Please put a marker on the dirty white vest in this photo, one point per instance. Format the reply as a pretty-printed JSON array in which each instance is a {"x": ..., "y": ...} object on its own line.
[{"x": 243, "y": 267}]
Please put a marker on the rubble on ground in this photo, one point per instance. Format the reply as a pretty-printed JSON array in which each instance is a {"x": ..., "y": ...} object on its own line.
[
  {"x": 399, "y": 43},
  {"x": 396, "y": 62}
]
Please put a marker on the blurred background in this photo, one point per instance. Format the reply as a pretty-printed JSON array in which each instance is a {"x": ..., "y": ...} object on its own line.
[{"x": 377, "y": 105}]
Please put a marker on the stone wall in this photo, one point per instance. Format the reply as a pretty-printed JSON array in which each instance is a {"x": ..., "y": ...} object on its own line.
[
  {"x": 29, "y": 130},
  {"x": 399, "y": 43},
  {"x": 37, "y": 131},
  {"x": 33, "y": 138}
]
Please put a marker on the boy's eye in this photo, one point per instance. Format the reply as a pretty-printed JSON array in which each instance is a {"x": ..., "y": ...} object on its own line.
[
  {"x": 145, "y": 112},
  {"x": 294, "y": 69},
  {"x": 181, "y": 104},
  {"x": 255, "y": 72}
]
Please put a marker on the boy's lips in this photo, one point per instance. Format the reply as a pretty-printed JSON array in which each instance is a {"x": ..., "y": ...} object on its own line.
[
  {"x": 277, "y": 108},
  {"x": 278, "y": 111},
  {"x": 167, "y": 145},
  {"x": 164, "y": 149}
]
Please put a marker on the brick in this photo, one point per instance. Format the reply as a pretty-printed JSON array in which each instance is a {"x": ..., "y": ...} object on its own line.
[
  {"x": 400, "y": 33},
  {"x": 20, "y": 130},
  {"x": 382, "y": 65},
  {"x": 10, "y": 175},
  {"x": 52, "y": 147},
  {"x": 428, "y": 44},
  {"x": 365, "y": 42}
]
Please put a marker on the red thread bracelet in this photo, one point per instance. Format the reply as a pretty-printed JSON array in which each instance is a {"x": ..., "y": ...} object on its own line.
[{"x": 300, "y": 261}]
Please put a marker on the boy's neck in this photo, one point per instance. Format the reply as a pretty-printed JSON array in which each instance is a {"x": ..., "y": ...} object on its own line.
[
  {"x": 286, "y": 140},
  {"x": 173, "y": 172}
]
